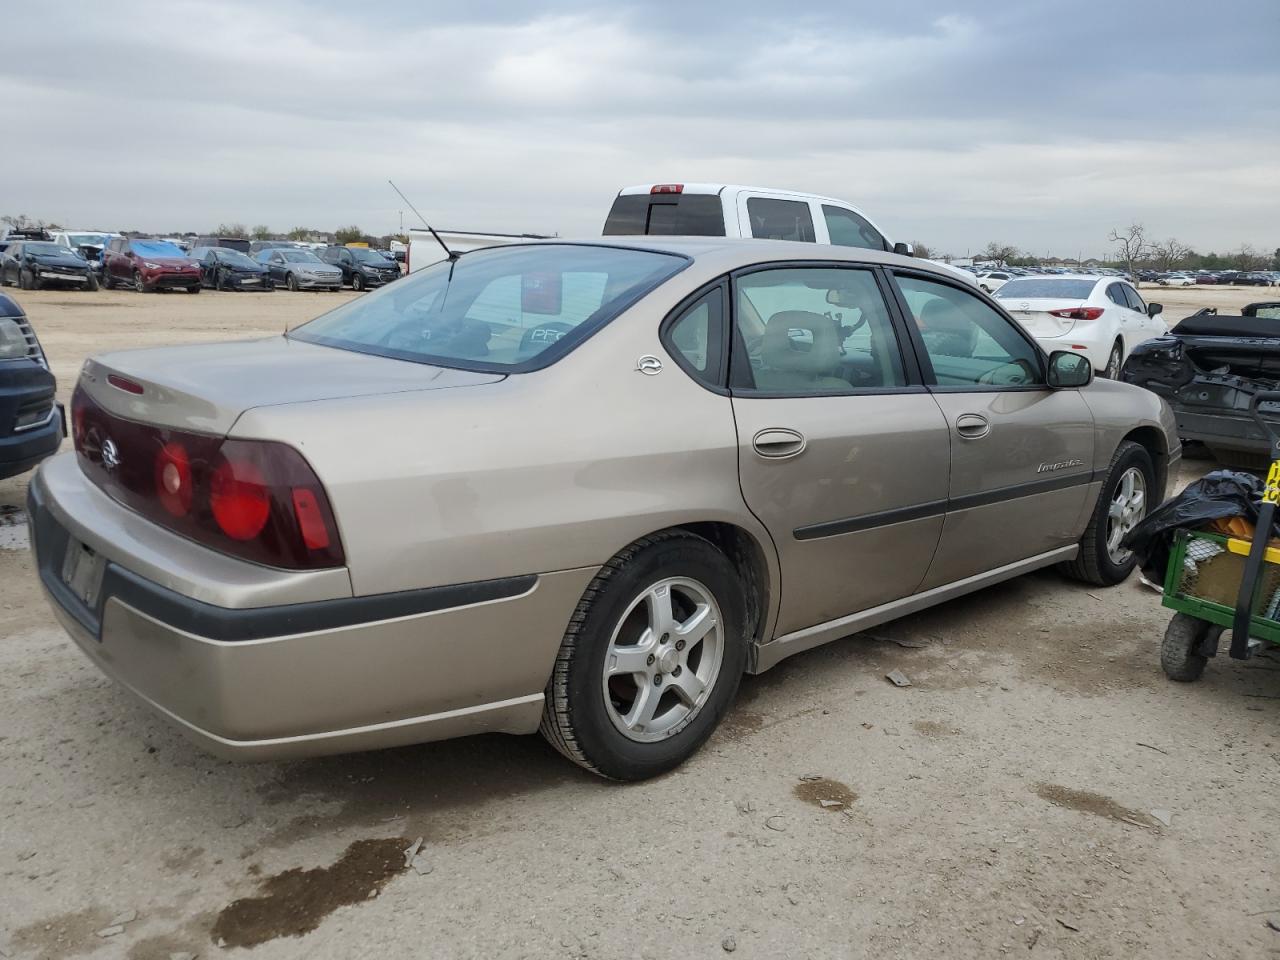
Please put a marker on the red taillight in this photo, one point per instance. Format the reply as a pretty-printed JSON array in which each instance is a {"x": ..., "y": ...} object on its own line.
[
  {"x": 310, "y": 520},
  {"x": 239, "y": 499},
  {"x": 667, "y": 188},
  {"x": 124, "y": 383},
  {"x": 1078, "y": 313},
  {"x": 255, "y": 499},
  {"x": 173, "y": 479}
]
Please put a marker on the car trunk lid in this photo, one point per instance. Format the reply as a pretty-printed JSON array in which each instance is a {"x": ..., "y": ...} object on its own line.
[
  {"x": 1036, "y": 318},
  {"x": 205, "y": 387}
]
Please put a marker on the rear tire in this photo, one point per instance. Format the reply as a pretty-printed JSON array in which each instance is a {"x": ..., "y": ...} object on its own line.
[
  {"x": 1114, "y": 362},
  {"x": 194, "y": 289},
  {"x": 1178, "y": 656},
  {"x": 292, "y": 283},
  {"x": 589, "y": 699},
  {"x": 1095, "y": 563}
]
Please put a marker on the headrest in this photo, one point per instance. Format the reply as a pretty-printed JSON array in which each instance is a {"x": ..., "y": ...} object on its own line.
[{"x": 781, "y": 351}]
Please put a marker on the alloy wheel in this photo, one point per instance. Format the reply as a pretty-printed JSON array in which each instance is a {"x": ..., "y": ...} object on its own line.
[
  {"x": 1128, "y": 507},
  {"x": 663, "y": 659},
  {"x": 1112, "y": 372}
]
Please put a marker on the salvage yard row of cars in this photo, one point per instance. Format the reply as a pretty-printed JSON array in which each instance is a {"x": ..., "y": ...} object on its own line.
[{"x": 150, "y": 265}]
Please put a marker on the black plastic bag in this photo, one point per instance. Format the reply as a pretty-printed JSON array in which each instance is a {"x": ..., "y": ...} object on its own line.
[{"x": 1223, "y": 493}]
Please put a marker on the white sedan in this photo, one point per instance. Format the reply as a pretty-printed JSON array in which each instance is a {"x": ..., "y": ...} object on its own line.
[
  {"x": 1176, "y": 280},
  {"x": 993, "y": 280},
  {"x": 1101, "y": 317}
]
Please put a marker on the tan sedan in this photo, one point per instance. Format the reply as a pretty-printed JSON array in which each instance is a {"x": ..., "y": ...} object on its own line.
[{"x": 580, "y": 487}]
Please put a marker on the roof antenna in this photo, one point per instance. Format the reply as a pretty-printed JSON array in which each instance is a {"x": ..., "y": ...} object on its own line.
[{"x": 451, "y": 255}]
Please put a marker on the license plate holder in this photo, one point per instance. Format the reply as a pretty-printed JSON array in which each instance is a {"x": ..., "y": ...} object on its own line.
[{"x": 82, "y": 569}]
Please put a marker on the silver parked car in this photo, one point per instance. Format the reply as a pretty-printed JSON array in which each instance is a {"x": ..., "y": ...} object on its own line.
[{"x": 575, "y": 487}]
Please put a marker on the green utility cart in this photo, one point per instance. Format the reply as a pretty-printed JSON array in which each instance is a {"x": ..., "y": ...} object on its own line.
[{"x": 1216, "y": 582}]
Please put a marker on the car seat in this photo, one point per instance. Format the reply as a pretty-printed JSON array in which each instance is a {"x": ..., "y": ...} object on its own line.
[{"x": 796, "y": 364}]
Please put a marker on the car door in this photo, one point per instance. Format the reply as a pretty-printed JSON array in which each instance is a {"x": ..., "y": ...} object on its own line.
[
  {"x": 1132, "y": 329},
  {"x": 842, "y": 452},
  {"x": 848, "y": 228},
  {"x": 1021, "y": 454},
  {"x": 1148, "y": 325}
]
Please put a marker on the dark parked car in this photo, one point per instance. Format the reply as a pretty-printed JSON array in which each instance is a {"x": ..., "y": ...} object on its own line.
[
  {"x": 148, "y": 266},
  {"x": 361, "y": 267},
  {"x": 1208, "y": 368},
  {"x": 300, "y": 270},
  {"x": 222, "y": 268},
  {"x": 1253, "y": 280},
  {"x": 32, "y": 264},
  {"x": 31, "y": 423}
]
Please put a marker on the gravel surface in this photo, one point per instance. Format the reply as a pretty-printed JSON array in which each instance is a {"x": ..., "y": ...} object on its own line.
[{"x": 1039, "y": 789}]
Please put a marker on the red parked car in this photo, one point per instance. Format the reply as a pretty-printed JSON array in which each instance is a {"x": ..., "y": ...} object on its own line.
[{"x": 148, "y": 265}]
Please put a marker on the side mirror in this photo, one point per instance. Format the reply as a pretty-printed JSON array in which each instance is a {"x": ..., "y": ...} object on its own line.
[
  {"x": 1068, "y": 370},
  {"x": 1154, "y": 308},
  {"x": 904, "y": 249}
]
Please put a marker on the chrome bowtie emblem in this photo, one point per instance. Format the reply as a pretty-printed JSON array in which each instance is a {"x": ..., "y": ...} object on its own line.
[{"x": 110, "y": 454}]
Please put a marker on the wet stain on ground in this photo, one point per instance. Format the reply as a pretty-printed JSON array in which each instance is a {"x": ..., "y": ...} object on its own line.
[
  {"x": 742, "y": 723},
  {"x": 183, "y": 859},
  {"x": 294, "y": 902},
  {"x": 1085, "y": 801},
  {"x": 62, "y": 935},
  {"x": 932, "y": 728},
  {"x": 838, "y": 796}
]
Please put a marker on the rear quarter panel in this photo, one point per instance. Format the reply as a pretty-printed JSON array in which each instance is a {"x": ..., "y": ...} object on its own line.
[
  {"x": 1121, "y": 410},
  {"x": 551, "y": 470}
]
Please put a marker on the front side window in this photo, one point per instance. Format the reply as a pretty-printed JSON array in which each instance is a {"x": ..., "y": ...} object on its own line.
[
  {"x": 847, "y": 229},
  {"x": 814, "y": 330},
  {"x": 1134, "y": 301},
  {"x": 780, "y": 219},
  {"x": 504, "y": 309},
  {"x": 969, "y": 343},
  {"x": 1115, "y": 293}
]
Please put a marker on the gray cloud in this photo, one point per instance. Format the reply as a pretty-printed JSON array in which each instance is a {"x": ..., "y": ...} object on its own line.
[{"x": 1043, "y": 124}]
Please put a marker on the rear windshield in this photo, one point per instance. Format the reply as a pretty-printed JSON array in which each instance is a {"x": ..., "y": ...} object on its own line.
[
  {"x": 1047, "y": 288},
  {"x": 504, "y": 309},
  {"x": 666, "y": 214}
]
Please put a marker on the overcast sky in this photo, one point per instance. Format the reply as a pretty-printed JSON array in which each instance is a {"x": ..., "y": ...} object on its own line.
[{"x": 1041, "y": 124}]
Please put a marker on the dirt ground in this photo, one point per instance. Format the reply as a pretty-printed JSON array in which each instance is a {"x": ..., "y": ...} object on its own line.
[{"x": 1040, "y": 790}]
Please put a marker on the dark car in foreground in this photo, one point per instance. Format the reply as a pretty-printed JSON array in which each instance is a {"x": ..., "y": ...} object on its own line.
[
  {"x": 33, "y": 264},
  {"x": 222, "y": 268},
  {"x": 1208, "y": 368},
  {"x": 300, "y": 270},
  {"x": 31, "y": 426},
  {"x": 148, "y": 265},
  {"x": 361, "y": 267}
]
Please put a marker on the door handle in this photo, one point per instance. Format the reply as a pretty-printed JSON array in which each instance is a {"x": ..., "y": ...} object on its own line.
[
  {"x": 972, "y": 426},
  {"x": 778, "y": 443}
]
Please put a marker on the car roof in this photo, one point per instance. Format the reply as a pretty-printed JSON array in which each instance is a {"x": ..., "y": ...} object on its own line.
[
  {"x": 726, "y": 253},
  {"x": 714, "y": 188}
]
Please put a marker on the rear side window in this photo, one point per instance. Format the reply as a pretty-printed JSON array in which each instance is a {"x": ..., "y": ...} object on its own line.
[
  {"x": 1115, "y": 293},
  {"x": 696, "y": 338},
  {"x": 667, "y": 214},
  {"x": 780, "y": 219},
  {"x": 847, "y": 229},
  {"x": 505, "y": 309}
]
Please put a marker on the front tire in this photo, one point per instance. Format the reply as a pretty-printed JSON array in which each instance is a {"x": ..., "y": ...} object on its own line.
[
  {"x": 92, "y": 285},
  {"x": 24, "y": 279},
  {"x": 1179, "y": 656},
  {"x": 139, "y": 284},
  {"x": 292, "y": 283},
  {"x": 1123, "y": 503},
  {"x": 651, "y": 659},
  {"x": 194, "y": 289}
]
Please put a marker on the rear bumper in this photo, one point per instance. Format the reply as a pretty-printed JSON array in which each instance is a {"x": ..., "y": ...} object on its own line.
[
  {"x": 1231, "y": 431},
  {"x": 310, "y": 678}
]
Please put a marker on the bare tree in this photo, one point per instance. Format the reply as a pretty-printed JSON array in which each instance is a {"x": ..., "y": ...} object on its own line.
[
  {"x": 1247, "y": 258},
  {"x": 351, "y": 234},
  {"x": 232, "y": 230},
  {"x": 1169, "y": 253},
  {"x": 300, "y": 233},
  {"x": 261, "y": 232},
  {"x": 1131, "y": 245},
  {"x": 1001, "y": 253},
  {"x": 922, "y": 249}
]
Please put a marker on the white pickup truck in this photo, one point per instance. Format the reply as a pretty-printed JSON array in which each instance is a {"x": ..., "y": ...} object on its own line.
[{"x": 704, "y": 210}]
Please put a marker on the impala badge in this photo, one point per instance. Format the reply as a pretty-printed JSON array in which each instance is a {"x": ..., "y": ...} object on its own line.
[
  {"x": 649, "y": 365},
  {"x": 1060, "y": 465}
]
